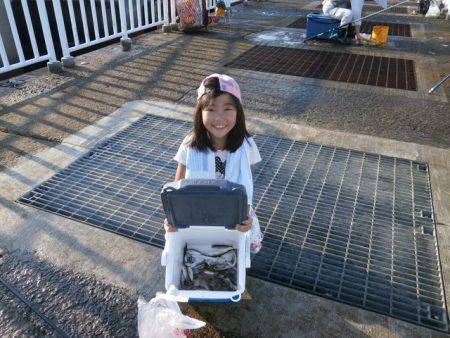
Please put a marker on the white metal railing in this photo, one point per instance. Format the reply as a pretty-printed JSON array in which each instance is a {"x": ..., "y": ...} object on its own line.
[
  {"x": 101, "y": 20},
  {"x": 210, "y": 4},
  {"x": 90, "y": 23},
  {"x": 134, "y": 16},
  {"x": 8, "y": 31}
]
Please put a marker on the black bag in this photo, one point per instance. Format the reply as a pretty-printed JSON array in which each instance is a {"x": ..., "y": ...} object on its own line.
[
  {"x": 350, "y": 32},
  {"x": 423, "y": 6}
]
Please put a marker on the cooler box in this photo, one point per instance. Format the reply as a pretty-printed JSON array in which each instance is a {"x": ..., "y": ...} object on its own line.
[
  {"x": 196, "y": 207},
  {"x": 319, "y": 23}
]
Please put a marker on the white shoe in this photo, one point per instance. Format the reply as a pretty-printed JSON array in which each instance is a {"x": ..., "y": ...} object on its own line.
[{"x": 366, "y": 37}]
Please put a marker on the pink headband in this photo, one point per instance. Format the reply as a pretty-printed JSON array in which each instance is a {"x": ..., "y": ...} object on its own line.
[{"x": 227, "y": 84}]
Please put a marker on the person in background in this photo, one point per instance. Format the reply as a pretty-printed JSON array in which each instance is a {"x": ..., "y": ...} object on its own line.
[
  {"x": 356, "y": 7},
  {"x": 346, "y": 11}
]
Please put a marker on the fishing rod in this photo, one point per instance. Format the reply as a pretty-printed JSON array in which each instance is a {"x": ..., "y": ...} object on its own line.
[
  {"x": 347, "y": 24},
  {"x": 16, "y": 293},
  {"x": 437, "y": 85}
]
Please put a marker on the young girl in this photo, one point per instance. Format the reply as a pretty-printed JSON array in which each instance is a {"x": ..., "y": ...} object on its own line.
[{"x": 219, "y": 145}]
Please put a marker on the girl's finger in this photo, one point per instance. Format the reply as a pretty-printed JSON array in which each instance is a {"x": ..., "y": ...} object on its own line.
[
  {"x": 248, "y": 221},
  {"x": 243, "y": 228},
  {"x": 168, "y": 227}
]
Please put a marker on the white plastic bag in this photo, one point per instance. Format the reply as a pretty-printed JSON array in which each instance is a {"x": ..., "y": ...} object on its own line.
[
  {"x": 433, "y": 10},
  {"x": 190, "y": 13},
  {"x": 161, "y": 317}
]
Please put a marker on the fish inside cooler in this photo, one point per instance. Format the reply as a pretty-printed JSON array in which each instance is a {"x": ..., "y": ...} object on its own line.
[
  {"x": 224, "y": 281},
  {"x": 209, "y": 267}
]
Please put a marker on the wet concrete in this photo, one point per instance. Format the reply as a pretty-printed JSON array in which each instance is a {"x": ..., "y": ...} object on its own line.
[{"x": 168, "y": 67}]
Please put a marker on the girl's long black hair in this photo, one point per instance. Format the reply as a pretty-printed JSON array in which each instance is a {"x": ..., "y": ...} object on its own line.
[{"x": 199, "y": 134}]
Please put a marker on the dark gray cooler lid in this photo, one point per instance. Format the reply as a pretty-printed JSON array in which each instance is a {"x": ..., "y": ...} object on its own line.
[{"x": 204, "y": 202}]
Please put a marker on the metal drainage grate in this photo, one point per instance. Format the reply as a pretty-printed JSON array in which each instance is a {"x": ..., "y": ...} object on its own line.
[
  {"x": 394, "y": 10},
  {"x": 409, "y": 3},
  {"x": 117, "y": 185},
  {"x": 375, "y": 8},
  {"x": 344, "y": 67},
  {"x": 342, "y": 224},
  {"x": 350, "y": 226},
  {"x": 299, "y": 23},
  {"x": 395, "y": 29}
]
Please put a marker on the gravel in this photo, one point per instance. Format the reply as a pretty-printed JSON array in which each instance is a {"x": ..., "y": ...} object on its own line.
[{"x": 78, "y": 304}]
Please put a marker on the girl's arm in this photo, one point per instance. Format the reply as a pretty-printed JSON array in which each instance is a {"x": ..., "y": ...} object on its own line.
[{"x": 181, "y": 172}]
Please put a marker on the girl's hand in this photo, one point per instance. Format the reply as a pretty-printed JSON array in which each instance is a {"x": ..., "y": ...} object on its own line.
[
  {"x": 245, "y": 226},
  {"x": 168, "y": 227}
]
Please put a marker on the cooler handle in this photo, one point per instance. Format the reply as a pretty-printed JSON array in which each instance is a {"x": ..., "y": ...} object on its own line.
[
  {"x": 164, "y": 258},
  {"x": 200, "y": 187},
  {"x": 168, "y": 189},
  {"x": 166, "y": 249},
  {"x": 247, "y": 250},
  {"x": 236, "y": 298}
]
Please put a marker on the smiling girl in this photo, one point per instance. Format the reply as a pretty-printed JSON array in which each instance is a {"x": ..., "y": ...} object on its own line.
[{"x": 218, "y": 138}]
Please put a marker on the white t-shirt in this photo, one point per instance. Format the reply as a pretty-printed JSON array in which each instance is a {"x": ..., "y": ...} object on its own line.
[{"x": 254, "y": 156}]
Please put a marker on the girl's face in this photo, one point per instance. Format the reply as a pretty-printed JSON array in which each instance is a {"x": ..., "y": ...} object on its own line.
[{"x": 219, "y": 118}]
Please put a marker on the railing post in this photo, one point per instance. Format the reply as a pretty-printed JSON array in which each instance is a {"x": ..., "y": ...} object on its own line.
[
  {"x": 125, "y": 41},
  {"x": 173, "y": 12},
  {"x": 67, "y": 60},
  {"x": 166, "y": 26},
  {"x": 12, "y": 24},
  {"x": 3, "y": 56},
  {"x": 53, "y": 65}
]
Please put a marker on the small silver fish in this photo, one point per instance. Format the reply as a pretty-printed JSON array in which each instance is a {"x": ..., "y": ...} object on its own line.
[{"x": 214, "y": 271}]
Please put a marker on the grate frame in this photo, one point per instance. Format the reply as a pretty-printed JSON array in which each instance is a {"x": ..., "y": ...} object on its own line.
[
  {"x": 303, "y": 193},
  {"x": 334, "y": 66}
]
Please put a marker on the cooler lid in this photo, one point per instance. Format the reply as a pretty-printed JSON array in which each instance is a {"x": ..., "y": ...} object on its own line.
[
  {"x": 204, "y": 202},
  {"x": 321, "y": 18}
]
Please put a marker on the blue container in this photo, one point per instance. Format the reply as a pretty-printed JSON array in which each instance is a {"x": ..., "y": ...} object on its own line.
[{"x": 319, "y": 23}]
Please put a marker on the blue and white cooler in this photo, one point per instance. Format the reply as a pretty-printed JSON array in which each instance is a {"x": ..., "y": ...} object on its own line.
[
  {"x": 196, "y": 207},
  {"x": 319, "y": 23}
]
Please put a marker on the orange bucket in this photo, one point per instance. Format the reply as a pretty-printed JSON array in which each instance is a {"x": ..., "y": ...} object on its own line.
[
  {"x": 380, "y": 34},
  {"x": 219, "y": 11}
]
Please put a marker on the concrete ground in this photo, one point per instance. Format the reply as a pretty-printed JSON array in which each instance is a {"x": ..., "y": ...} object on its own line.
[{"x": 45, "y": 255}]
